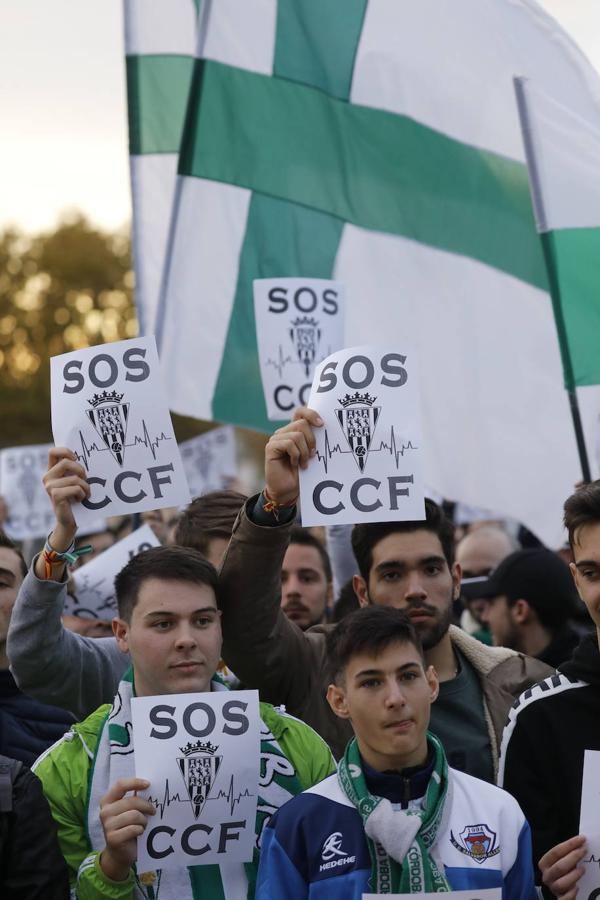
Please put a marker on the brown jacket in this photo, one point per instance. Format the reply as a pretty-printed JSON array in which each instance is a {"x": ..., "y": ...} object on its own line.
[{"x": 268, "y": 652}]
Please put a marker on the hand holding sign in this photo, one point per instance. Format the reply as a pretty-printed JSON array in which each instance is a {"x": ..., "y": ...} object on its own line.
[
  {"x": 561, "y": 870},
  {"x": 124, "y": 819},
  {"x": 288, "y": 449},
  {"x": 367, "y": 466}
]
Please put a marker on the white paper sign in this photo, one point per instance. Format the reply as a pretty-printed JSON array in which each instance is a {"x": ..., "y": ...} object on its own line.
[
  {"x": 368, "y": 465},
  {"x": 110, "y": 408},
  {"x": 588, "y": 887},
  {"x": 476, "y": 894},
  {"x": 299, "y": 322},
  {"x": 95, "y": 581},
  {"x": 201, "y": 755},
  {"x": 209, "y": 460},
  {"x": 30, "y": 513}
]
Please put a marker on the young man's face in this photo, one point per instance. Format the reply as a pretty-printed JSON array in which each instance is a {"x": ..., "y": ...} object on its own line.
[
  {"x": 585, "y": 568},
  {"x": 387, "y": 697},
  {"x": 497, "y": 614},
  {"x": 174, "y": 637},
  {"x": 409, "y": 571},
  {"x": 305, "y": 591},
  {"x": 11, "y": 578}
]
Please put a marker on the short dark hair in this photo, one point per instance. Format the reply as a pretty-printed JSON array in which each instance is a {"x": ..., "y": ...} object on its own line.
[
  {"x": 542, "y": 578},
  {"x": 169, "y": 563},
  {"x": 370, "y": 629},
  {"x": 5, "y": 541},
  {"x": 346, "y": 603},
  {"x": 366, "y": 536},
  {"x": 303, "y": 536},
  {"x": 209, "y": 516},
  {"x": 582, "y": 508}
]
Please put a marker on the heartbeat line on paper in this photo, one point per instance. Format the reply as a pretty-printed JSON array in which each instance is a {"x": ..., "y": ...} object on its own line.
[
  {"x": 393, "y": 447},
  {"x": 281, "y": 362},
  {"x": 150, "y": 443},
  {"x": 167, "y": 799},
  {"x": 231, "y": 797}
]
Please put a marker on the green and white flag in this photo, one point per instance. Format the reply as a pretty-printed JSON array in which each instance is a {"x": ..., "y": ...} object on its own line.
[
  {"x": 160, "y": 42},
  {"x": 564, "y": 173},
  {"x": 377, "y": 142}
]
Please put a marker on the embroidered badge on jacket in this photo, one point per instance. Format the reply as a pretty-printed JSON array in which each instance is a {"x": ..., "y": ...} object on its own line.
[{"x": 476, "y": 841}]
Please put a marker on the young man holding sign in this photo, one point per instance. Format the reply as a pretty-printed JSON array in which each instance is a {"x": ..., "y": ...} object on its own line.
[
  {"x": 408, "y": 565},
  {"x": 170, "y": 624},
  {"x": 395, "y": 818}
]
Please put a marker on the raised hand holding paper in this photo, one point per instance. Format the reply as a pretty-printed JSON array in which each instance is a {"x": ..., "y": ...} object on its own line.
[
  {"x": 209, "y": 460},
  {"x": 368, "y": 465},
  {"x": 299, "y": 321},
  {"x": 110, "y": 408},
  {"x": 94, "y": 582},
  {"x": 201, "y": 755}
]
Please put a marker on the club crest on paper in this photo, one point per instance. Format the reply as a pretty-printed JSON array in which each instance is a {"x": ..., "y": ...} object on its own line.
[
  {"x": 199, "y": 766},
  {"x": 109, "y": 417},
  {"x": 477, "y": 841},
  {"x": 358, "y": 419},
  {"x": 305, "y": 334}
]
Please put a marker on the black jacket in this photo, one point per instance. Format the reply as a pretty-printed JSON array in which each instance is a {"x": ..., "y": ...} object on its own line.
[
  {"x": 549, "y": 729},
  {"x": 31, "y": 863},
  {"x": 27, "y": 727}
]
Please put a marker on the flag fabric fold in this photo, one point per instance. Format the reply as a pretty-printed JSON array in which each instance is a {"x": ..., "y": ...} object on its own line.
[{"x": 378, "y": 143}]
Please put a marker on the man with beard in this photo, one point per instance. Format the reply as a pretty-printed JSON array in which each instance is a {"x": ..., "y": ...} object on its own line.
[
  {"x": 306, "y": 585},
  {"x": 406, "y": 565}
]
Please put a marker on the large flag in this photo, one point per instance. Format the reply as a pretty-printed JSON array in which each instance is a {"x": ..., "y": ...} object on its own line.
[
  {"x": 378, "y": 143},
  {"x": 160, "y": 42},
  {"x": 564, "y": 169}
]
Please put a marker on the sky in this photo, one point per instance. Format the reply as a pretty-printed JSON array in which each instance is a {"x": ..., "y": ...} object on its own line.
[{"x": 63, "y": 139}]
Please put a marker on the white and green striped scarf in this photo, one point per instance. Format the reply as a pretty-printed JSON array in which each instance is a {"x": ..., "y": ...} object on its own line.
[
  {"x": 114, "y": 759},
  {"x": 401, "y": 842}
]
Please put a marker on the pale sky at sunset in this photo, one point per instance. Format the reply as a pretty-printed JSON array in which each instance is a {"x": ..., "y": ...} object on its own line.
[{"x": 62, "y": 106}]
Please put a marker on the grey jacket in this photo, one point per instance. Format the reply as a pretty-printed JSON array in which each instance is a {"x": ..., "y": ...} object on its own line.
[
  {"x": 54, "y": 665},
  {"x": 268, "y": 652}
]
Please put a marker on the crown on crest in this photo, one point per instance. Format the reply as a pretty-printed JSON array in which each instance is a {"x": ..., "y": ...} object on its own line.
[
  {"x": 199, "y": 747},
  {"x": 304, "y": 320},
  {"x": 105, "y": 397},
  {"x": 354, "y": 399}
]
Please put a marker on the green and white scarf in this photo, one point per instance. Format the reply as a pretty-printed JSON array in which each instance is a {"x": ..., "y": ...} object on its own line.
[
  {"x": 401, "y": 841},
  {"x": 114, "y": 759}
]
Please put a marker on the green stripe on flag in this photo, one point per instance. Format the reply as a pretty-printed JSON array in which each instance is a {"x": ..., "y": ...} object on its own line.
[
  {"x": 157, "y": 93},
  {"x": 281, "y": 239},
  {"x": 575, "y": 260},
  {"x": 316, "y": 42},
  {"x": 377, "y": 170}
]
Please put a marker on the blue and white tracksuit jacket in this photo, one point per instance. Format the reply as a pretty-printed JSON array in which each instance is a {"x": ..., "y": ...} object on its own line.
[{"x": 315, "y": 845}]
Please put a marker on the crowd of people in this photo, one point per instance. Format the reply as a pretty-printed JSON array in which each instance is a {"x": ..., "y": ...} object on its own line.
[{"x": 429, "y": 696}]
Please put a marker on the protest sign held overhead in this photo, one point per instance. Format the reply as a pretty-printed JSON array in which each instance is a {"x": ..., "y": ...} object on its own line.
[
  {"x": 299, "y": 321},
  {"x": 94, "y": 583},
  {"x": 110, "y": 408},
  {"x": 201, "y": 755},
  {"x": 209, "y": 460},
  {"x": 30, "y": 513},
  {"x": 368, "y": 464}
]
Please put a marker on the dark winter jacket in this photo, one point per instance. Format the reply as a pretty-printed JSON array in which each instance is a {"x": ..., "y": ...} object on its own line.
[
  {"x": 31, "y": 863},
  {"x": 549, "y": 729},
  {"x": 27, "y": 727}
]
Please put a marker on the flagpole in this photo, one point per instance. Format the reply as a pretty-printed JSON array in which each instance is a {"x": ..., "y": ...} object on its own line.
[{"x": 543, "y": 231}]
